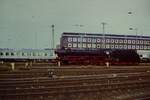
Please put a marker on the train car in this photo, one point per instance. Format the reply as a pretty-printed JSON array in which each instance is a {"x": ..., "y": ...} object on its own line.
[{"x": 23, "y": 55}]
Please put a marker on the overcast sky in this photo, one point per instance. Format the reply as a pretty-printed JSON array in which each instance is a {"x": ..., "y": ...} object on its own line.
[{"x": 27, "y": 23}]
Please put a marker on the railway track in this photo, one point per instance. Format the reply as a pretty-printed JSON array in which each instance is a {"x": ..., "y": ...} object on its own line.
[{"x": 75, "y": 85}]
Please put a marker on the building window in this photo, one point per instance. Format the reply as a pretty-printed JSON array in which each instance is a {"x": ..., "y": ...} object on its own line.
[
  {"x": 120, "y": 41},
  {"x": 107, "y": 46},
  {"x": 133, "y": 46},
  {"x": 145, "y": 47},
  {"x": 93, "y": 40},
  {"x": 74, "y": 45},
  {"x": 89, "y": 45},
  {"x": 125, "y": 46},
  {"x": 137, "y": 41},
  {"x": 98, "y": 46},
  {"x": 79, "y": 45},
  {"x": 84, "y": 45},
  {"x": 120, "y": 46},
  {"x": 129, "y": 41},
  {"x": 93, "y": 45},
  {"x": 74, "y": 39},
  {"x": 141, "y": 47},
  {"x": 112, "y": 40},
  {"x": 116, "y": 41},
  {"x": 112, "y": 46},
  {"x": 69, "y": 39},
  {"x": 125, "y": 41},
  {"x": 116, "y": 46},
  {"x": 133, "y": 41},
  {"x": 80, "y": 39},
  {"x": 84, "y": 39},
  {"x": 107, "y": 40},
  {"x": 129, "y": 46},
  {"x": 69, "y": 45},
  {"x": 89, "y": 39},
  {"x": 141, "y": 42},
  {"x": 137, "y": 46},
  {"x": 98, "y": 40}
]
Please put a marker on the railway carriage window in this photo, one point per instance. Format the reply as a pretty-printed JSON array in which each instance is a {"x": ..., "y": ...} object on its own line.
[
  {"x": 98, "y": 40},
  {"x": 74, "y": 39},
  {"x": 34, "y": 54},
  {"x": 74, "y": 45},
  {"x": 69, "y": 39},
  {"x": 12, "y": 54},
  {"x": 7, "y": 53},
  {"x": 23, "y": 54},
  {"x": 45, "y": 54},
  {"x": 1, "y": 54},
  {"x": 69, "y": 45}
]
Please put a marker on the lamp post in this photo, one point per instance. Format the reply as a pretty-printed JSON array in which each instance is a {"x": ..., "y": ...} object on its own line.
[
  {"x": 81, "y": 36},
  {"x": 53, "y": 36},
  {"x": 103, "y": 40},
  {"x": 136, "y": 33}
]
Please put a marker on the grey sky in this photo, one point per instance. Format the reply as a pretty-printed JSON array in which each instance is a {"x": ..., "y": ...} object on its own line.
[{"x": 27, "y": 23}]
